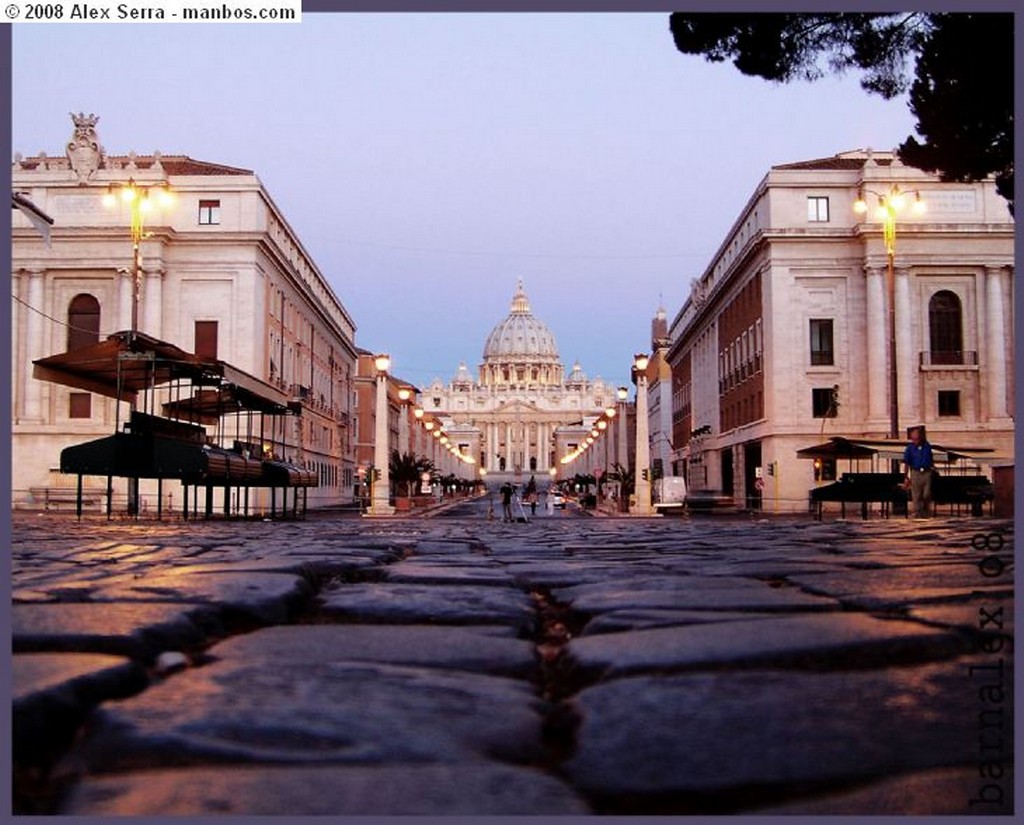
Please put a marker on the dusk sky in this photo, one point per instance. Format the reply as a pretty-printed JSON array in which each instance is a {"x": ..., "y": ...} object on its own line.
[{"x": 428, "y": 161}]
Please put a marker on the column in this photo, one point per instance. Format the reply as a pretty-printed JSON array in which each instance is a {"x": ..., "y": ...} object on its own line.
[
  {"x": 20, "y": 374},
  {"x": 381, "y": 505},
  {"x": 906, "y": 360},
  {"x": 526, "y": 448},
  {"x": 878, "y": 393},
  {"x": 643, "y": 450},
  {"x": 34, "y": 343},
  {"x": 152, "y": 305},
  {"x": 124, "y": 289},
  {"x": 995, "y": 371}
]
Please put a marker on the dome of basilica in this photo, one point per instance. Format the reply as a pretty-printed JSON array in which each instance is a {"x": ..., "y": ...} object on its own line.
[{"x": 521, "y": 336}]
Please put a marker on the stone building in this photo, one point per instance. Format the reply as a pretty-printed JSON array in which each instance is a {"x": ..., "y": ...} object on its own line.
[
  {"x": 522, "y": 413},
  {"x": 783, "y": 340},
  {"x": 221, "y": 274}
]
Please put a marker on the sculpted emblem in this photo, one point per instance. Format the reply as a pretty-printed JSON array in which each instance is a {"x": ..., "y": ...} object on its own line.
[{"x": 84, "y": 150}]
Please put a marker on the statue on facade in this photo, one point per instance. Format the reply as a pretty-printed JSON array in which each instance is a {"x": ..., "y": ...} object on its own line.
[{"x": 84, "y": 151}]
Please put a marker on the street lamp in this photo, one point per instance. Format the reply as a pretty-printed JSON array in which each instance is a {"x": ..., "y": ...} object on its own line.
[
  {"x": 141, "y": 200},
  {"x": 623, "y": 460},
  {"x": 404, "y": 394},
  {"x": 381, "y": 505},
  {"x": 642, "y": 484},
  {"x": 890, "y": 205}
]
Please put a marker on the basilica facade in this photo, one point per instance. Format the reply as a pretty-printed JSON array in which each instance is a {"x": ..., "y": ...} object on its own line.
[{"x": 521, "y": 413}]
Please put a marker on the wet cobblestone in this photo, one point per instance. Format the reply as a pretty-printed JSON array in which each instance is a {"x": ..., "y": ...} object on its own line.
[{"x": 461, "y": 666}]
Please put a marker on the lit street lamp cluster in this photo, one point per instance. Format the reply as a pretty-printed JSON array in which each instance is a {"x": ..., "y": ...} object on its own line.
[
  {"x": 141, "y": 200},
  {"x": 889, "y": 206},
  {"x": 441, "y": 448}
]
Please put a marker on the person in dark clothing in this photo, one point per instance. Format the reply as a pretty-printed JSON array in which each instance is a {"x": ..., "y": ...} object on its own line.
[
  {"x": 506, "y": 501},
  {"x": 531, "y": 495},
  {"x": 919, "y": 464}
]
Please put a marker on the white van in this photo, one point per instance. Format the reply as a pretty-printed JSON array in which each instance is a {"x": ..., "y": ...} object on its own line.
[{"x": 669, "y": 493}]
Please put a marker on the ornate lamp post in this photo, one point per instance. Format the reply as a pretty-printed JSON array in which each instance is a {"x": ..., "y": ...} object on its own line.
[
  {"x": 643, "y": 447},
  {"x": 141, "y": 200},
  {"x": 381, "y": 504},
  {"x": 890, "y": 205}
]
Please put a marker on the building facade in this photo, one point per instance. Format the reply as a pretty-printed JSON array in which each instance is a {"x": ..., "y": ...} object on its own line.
[
  {"x": 521, "y": 414},
  {"x": 221, "y": 274},
  {"x": 783, "y": 340}
]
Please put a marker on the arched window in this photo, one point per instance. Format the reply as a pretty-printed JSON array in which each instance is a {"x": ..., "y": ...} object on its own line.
[
  {"x": 83, "y": 321},
  {"x": 945, "y": 328}
]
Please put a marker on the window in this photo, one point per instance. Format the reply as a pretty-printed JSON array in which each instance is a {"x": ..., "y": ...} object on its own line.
[
  {"x": 821, "y": 403},
  {"x": 83, "y": 322},
  {"x": 949, "y": 402},
  {"x": 945, "y": 328},
  {"x": 817, "y": 209},
  {"x": 206, "y": 339},
  {"x": 822, "y": 352},
  {"x": 79, "y": 405},
  {"x": 209, "y": 213}
]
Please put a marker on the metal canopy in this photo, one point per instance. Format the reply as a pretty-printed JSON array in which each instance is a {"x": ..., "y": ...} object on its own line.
[
  {"x": 125, "y": 364},
  {"x": 886, "y": 448}
]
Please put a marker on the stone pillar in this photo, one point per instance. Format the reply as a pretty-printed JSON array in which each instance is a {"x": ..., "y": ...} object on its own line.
[
  {"x": 995, "y": 370},
  {"x": 526, "y": 448},
  {"x": 152, "y": 305},
  {"x": 34, "y": 343},
  {"x": 19, "y": 373},
  {"x": 878, "y": 392},
  {"x": 124, "y": 292},
  {"x": 906, "y": 357}
]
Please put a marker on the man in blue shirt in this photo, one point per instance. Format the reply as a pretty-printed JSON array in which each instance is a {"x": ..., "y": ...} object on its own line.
[{"x": 919, "y": 465}]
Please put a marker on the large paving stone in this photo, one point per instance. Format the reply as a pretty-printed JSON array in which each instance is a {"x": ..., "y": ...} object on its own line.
[
  {"x": 38, "y": 672},
  {"x": 423, "y": 572},
  {"x": 262, "y": 710},
  {"x": 483, "y": 649},
  {"x": 137, "y": 629},
  {"x": 693, "y": 738},
  {"x": 429, "y": 604},
  {"x": 266, "y": 597},
  {"x": 618, "y": 621},
  {"x": 335, "y": 790},
  {"x": 819, "y": 639},
  {"x": 688, "y": 592}
]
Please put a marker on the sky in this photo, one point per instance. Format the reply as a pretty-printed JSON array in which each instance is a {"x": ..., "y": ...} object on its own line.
[{"x": 429, "y": 161}]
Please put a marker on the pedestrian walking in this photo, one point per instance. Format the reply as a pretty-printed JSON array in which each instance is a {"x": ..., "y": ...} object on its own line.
[
  {"x": 506, "y": 501},
  {"x": 919, "y": 468},
  {"x": 531, "y": 495}
]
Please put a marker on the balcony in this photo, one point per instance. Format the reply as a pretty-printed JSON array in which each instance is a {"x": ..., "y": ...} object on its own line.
[{"x": 967, "y": 359}]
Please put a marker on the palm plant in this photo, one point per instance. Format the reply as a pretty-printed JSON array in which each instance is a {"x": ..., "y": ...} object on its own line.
[{"x": 406, "y": 469}]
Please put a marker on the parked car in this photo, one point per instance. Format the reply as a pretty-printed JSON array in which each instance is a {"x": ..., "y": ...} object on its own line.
[{"x": 558, "y": 500}]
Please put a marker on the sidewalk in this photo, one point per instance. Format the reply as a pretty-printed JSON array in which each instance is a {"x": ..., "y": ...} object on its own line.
[{"x": 469, "y": 667}]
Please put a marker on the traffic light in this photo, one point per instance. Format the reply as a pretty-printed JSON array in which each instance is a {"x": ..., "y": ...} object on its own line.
[
  {"x": 834, "y": 400},
  {"x": 645, "y": 475},
  {"x": 376, "y": 474}
]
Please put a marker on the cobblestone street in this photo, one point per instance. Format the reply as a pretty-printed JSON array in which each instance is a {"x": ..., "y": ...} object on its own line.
[{"x": 461, "y": 666}]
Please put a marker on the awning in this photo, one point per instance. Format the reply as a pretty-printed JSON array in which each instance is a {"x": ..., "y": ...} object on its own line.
[
  {"x": 125, "y": 364},
  {"x": 887, "y": 448}
]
